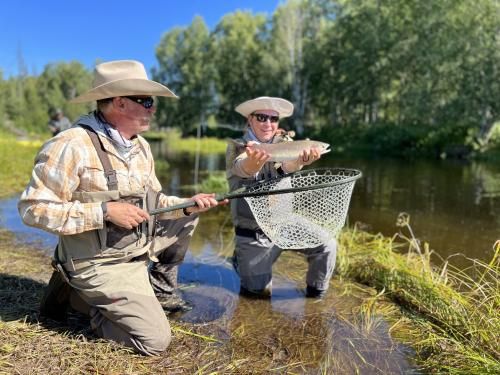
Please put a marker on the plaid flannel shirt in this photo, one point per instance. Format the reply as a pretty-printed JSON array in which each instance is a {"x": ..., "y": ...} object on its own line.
[{"x": 69, "y": 163}]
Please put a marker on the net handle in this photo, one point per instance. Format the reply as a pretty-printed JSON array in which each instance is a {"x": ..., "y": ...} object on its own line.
[{"x": 244, "y": 193}]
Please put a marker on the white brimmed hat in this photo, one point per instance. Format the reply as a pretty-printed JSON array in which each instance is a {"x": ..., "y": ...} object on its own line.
[
  {"x": 122, "y": 78},
  {"x": 282, "y": 106}
]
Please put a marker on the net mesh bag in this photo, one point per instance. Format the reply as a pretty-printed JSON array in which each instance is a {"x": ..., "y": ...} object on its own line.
[{"x": 308, "y": 217}]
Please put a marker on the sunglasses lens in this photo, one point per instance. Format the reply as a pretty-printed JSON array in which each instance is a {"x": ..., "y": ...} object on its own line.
[
  {"x": 145, "y": 102},
  {"x": 261, "y": 117}
]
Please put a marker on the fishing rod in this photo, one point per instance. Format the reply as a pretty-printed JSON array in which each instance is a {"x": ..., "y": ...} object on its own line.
[{"x": 345, "y": 176}]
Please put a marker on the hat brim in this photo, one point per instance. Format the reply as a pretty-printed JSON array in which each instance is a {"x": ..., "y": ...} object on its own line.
[
  {"x": 125, "y": 87},
  {"x": 283, "y": 107}
]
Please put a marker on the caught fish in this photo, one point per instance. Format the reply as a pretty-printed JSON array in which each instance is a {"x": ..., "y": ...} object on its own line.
[{"x": 285, "y": 151}]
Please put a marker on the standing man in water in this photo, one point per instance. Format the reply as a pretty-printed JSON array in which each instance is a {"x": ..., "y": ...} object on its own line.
[{"x": 93, "y": 186}]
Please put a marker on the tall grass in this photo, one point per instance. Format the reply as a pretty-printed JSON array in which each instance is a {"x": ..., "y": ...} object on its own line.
[
  {"x": 207, "y": 145},
  {"x": 456, "y": 311}
]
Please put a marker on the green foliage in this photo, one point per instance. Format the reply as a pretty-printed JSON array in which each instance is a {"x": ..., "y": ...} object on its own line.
[
  {"x": 170, "y": 135},
  {"x": 184, "y": 63},
  {"x": 26, "y": 100},
  {"x": 447, "y": 140},
  {"x": 161, "y": 167},
  {"x": 60, "y": 82},
  {"x": 456, "y": 314},
  {"x": 238, "y": 46},
  {"x": 215, "y": 183},
  {"x": 206, "y": 145}
]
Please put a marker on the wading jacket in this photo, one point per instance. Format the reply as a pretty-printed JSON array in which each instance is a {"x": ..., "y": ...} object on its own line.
[{"x": 68, "y": 186}]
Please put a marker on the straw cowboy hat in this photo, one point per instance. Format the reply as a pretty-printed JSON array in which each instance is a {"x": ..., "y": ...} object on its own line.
[
  {"x": 122, "y": 78},
  {"x": 282, "y": 106}
]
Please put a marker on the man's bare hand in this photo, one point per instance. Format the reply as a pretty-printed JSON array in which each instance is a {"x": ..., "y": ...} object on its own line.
[
  {"x": 125, "y": 215},
  {"x": 255, "y": 159},
  {"x": 204, "y": 202},
  {"x": 309, "y": 156}
]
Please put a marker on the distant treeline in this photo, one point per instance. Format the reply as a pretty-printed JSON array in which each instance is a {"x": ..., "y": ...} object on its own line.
[{"x": 388, "y": 76}]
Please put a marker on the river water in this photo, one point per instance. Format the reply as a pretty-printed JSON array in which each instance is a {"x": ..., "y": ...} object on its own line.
[{"x": 453, "y": 205}]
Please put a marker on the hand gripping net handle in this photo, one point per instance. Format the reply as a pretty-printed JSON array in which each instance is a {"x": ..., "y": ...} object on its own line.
[
  {"x": 344, "y": 177},
  {"x": 299, "y": 210}
]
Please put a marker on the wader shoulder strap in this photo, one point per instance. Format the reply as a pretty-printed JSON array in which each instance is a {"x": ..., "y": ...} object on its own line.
[{"x": 109, "y": 172}]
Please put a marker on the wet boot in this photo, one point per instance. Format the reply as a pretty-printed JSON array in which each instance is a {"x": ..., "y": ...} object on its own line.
[
  {"x": 257, "y": 294},
  {"x": 173, "y": 303},
  {"x": 55, "y": 301},
  {"x": 163, "y": 279},
  {"x": 312, "y": 292}
]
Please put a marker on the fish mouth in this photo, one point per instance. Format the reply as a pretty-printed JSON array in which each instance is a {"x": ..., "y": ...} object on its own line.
[{"x": 325, "y": 150}]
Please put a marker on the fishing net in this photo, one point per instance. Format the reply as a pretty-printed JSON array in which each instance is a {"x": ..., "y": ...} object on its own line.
[{"x": 311, "y": 214}]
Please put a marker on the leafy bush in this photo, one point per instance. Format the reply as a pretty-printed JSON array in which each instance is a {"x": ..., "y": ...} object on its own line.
[{"x": 216, "y": 183}]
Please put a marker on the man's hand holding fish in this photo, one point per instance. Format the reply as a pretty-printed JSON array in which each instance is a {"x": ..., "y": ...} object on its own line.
[{"x": 306, "y": 157}]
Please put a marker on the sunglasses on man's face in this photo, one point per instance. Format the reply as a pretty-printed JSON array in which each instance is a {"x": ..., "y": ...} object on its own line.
[
  {"x": 262, "y": 117},
  {"x": 145, "y": 102}
]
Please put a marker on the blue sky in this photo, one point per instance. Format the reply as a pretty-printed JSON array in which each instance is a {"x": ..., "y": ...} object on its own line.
[{"x": 87, "y": 30}]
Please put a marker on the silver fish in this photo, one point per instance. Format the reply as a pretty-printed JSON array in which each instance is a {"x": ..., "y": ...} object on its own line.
[{"x": 285, "y": 151}]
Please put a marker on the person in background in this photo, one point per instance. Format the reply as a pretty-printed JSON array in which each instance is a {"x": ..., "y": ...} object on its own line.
[
  {"x": 93, "y": 186},
  {"x": 254, "y": 253},
  {"x": 58, "y": 122}
]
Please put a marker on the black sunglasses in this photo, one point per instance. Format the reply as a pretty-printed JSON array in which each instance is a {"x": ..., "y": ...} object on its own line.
[
  {"x": 262, "y": 117},
  {"x": 145, "y": 102}
]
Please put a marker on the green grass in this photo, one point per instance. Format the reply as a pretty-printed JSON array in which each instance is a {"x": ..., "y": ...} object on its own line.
[
  {"x": 16, "y": 161},
  {"x": 216, "y": 183},
  {"x": 204, "y": 145}
]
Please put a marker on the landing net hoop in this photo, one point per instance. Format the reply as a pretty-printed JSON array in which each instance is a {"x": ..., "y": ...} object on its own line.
[{"x": 310, "y": 210}]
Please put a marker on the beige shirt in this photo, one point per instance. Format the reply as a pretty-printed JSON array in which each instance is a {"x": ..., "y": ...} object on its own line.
[{"x": 68, "y": 163}]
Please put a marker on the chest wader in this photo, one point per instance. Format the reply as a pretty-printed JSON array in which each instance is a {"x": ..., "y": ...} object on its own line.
[{"x": 112, "y": 243}]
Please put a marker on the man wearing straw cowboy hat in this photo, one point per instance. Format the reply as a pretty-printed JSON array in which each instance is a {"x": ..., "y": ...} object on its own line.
[
  {"x": 255, "y": 253},
  {"x": 93, "y": 186}
]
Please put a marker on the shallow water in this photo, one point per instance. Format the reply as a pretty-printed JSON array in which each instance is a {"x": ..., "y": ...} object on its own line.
[{"x": 328, "y": 335}]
